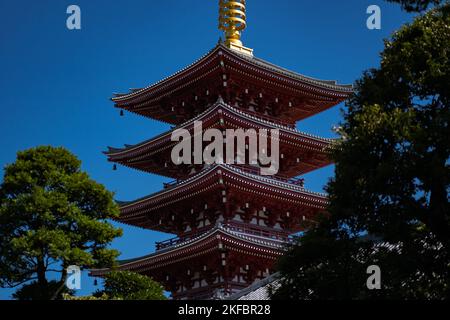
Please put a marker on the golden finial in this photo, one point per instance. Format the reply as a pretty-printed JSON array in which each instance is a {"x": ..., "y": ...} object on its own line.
[{"x": 232, "y": 20}]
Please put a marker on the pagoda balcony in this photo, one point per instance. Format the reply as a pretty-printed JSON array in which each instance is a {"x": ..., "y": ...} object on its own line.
[
  {"x": 300, "y": 182},
  {"x": 264, "y": 233},
  {"x": 257, "y": 171},
  {"x": 268, "y": 118},
  {"x": 170, "y": 243},
  {"x": 258, "y": 231}
]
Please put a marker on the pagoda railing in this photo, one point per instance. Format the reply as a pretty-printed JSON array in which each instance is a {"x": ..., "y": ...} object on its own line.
[
  {"x": 261, "y": 232},
  {"x": 258, "y": 231},
  {"x": 269, "y": 118},
  {"x": 176, "y": 240},
  {"x": 256, "y": 171},
  {"x": 170, "y": 243}
]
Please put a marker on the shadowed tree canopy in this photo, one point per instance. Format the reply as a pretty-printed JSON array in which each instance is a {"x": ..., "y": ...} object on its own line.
[
  {"x": 52, "y": 215},
  {"x": 417, "y": 5},
  {"x": 32, "y": 291},
  {"x": 126, "y": 285},
  {"x": 389, "y": 201}
]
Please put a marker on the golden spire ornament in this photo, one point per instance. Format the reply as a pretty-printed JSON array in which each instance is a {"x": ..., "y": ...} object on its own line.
[{"x": 232, "y": 20}]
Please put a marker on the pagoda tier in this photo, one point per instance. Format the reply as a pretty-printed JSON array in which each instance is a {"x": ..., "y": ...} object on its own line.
[
  {"x": 300, "y": 153},
  {"x": 243, "y": 81},
  {"x": 215, "y": 264},
  {"x": 258, "y": 205}
]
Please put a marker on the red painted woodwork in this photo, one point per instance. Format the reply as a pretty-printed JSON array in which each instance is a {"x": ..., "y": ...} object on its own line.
[{"x": 230, "y": 224}]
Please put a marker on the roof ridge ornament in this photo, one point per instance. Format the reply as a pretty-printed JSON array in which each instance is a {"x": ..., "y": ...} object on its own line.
[
  {"x": 232, "y": 21},
  {"x": 220, "y": 100}
]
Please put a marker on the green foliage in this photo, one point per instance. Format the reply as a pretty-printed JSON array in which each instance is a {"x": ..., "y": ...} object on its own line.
[
  {"x": 416, "y": 5},
  {"x": 323, "y": 262},
  {"x": 70, "y": 297},
  {"x": 32, "y": 291},
  {"x": 392, "y": 180},
  {"x": 125, "y": 285},
  {"x": 52, "y": 215}
]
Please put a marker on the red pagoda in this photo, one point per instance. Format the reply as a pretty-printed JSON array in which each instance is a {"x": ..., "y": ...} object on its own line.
[{"x": 231, "y": 223}]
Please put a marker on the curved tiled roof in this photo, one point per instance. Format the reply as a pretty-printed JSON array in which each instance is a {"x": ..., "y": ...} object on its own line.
[
  {"x": 220, "y": 104},
  {"x": 331, "y": 84},
  {"x": 258, "y": 290},
  {"x": 265, "y": 180},
  {"x": 256, "y": 62},
  {"x": 270, "y": 244}
]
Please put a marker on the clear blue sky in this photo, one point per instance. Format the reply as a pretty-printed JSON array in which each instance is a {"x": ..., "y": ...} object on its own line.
[{"x": 55, "y": 84}]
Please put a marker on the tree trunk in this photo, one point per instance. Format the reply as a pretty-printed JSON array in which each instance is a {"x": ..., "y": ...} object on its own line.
[
  {"x": 439, "y": 207},
  {"x": 42, "y": 280}
]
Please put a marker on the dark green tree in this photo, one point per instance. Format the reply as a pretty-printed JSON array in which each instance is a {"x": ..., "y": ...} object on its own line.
[
  {"x": 52, "y": 215},
  {"x": 417, "y": 5},
  {"x": 392, "y": 180},
  {"x": 126, "y": 285},
  {"x": 32, "y": 291}
]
